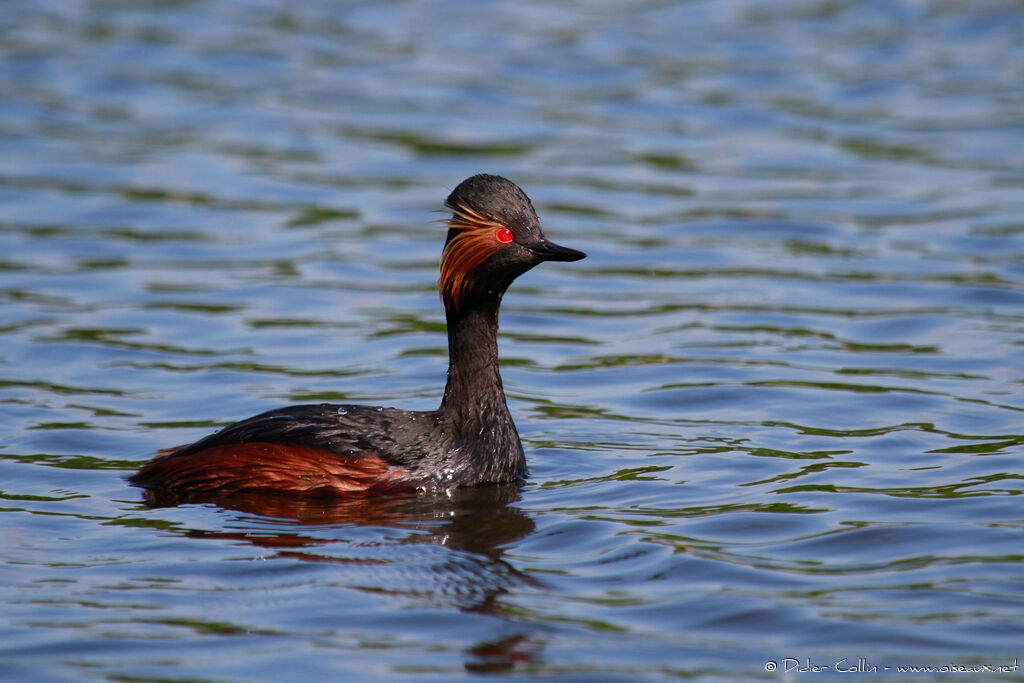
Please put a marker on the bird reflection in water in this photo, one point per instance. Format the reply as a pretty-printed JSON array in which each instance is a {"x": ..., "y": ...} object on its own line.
[{"x": 476, "y": 524}]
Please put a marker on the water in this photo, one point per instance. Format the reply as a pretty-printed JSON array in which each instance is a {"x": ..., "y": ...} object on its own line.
[{"x": 774, "y": 419}]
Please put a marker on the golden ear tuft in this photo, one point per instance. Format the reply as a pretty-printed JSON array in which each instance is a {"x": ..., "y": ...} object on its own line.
[{"x": 473, "y": 244}]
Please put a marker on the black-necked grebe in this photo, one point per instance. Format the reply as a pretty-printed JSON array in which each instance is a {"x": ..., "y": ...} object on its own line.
[{"x": 494, "y": 236}]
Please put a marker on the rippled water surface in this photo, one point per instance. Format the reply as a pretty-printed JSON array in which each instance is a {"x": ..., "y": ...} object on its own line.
[{"x": 775, "y": 418}]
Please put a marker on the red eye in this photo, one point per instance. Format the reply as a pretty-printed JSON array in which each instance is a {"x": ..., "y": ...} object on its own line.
[{"x": 504, "y": 235}]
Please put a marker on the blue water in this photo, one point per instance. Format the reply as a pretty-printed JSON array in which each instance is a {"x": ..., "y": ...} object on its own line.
[{"x": 774, "y": 422}]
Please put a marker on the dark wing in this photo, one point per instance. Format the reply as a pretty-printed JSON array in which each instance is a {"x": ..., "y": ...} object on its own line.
[
  {"x": 343, "y": 429},
  {"x": 307, "y": 449}
]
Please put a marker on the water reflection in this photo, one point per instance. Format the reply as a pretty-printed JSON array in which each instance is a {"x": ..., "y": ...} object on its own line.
[{"x": 476, "y": 524}]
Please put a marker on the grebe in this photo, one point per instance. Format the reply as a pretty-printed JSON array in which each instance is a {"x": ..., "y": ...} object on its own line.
[{"x": 494, "y": 236}]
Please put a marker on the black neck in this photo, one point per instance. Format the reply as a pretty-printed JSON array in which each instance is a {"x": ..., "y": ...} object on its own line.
[
  {"x": 474, "y": 383},
  {"x": 474, "y": 405}
]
